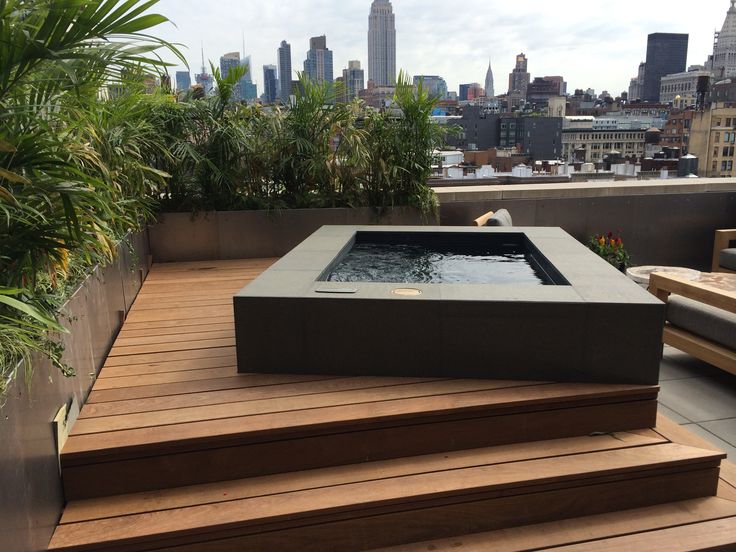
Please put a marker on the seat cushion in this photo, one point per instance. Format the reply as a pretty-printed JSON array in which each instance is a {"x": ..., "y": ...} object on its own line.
[
  {"x": 708, "y": 322},
  {"x": 728, "y": 259},
  {"x": 500, "y": 218}
]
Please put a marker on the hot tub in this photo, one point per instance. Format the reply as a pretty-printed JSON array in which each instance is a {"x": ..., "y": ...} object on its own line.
[{"x": 521, "y": 303}]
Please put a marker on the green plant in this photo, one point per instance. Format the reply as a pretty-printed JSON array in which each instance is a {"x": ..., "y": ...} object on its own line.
[
  {"x": 611, "y": 248},
  {"x": 75, "y": 170}
]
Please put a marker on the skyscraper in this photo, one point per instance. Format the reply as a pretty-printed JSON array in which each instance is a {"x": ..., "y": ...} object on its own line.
[
  {"x": 354, "y": 80},
  {"x": 270, "y": 84},
  {"x": 666, "y": 55},
  {"x": 490, "y": 89},
  {"x": 318, "y": 65},
  {"x": 183, "y": 81},
  {"x": 724, "y": 51},
  {"x": 382, "y": 44},
  {"x": 284, "y": 54},
  {"x": 204, "y": 79},
  {"x": 227, "y": 62},
  {"x": 519, "y": 77}
]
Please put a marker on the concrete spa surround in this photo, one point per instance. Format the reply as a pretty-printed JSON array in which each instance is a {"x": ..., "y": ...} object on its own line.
[{"x": 600, "y": 328}]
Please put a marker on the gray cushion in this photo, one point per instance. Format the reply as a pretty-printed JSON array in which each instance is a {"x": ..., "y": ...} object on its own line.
[
  {"x": 728, "y": 259},
  {"x": 500, "y": 218},
  {"x": 713, "y": 324}
]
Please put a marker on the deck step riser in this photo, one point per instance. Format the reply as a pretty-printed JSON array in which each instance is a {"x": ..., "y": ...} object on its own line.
[
  {"x": 163, "y": 467},
  {"x": 432, "y": 519}
]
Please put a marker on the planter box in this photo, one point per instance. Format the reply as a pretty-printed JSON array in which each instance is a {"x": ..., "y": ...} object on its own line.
[{"x": 257, "y": 234}]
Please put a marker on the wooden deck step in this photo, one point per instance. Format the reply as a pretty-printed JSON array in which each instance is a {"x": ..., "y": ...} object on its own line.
[
  {"x": 400, "y": 500},
  {"x": 687, "y": 526},
  {"x": 261, "y": 424}
]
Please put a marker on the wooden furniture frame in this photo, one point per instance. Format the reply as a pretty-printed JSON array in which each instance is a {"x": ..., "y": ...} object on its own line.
[
  {"x": 722, "y": 241},
  {"x": 483, "y": 219},
  {"x": 662, "y": 286}
]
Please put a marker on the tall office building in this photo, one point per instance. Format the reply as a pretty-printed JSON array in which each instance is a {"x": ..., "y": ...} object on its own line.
[
  {"x": 227, "y": 62},
  {"x": 435, "y": 85},
  {"x": 724, "y": 51},
  {"x": 284, "y": 55},
  {"x": 666, "y": 55},
  {"x": 318, "y": 65},
  {"x": 519, "y": 77},
  {"x": 382, "y": 44},
  {"x": 490, "y": 89},
  {"x": 183, "y": 81},
  {"x": 353, "y": 79},
  {"x": 270, "y": 84}
]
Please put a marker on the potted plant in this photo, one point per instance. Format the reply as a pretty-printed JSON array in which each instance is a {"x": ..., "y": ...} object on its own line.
[{"x": 611, "y": 249}]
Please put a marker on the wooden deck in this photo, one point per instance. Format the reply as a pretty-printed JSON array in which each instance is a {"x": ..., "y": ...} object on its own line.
[{"x": 176, "y": 451}]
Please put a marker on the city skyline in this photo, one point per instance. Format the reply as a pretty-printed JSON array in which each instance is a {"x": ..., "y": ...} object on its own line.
[{"x": 589, "y": 53}]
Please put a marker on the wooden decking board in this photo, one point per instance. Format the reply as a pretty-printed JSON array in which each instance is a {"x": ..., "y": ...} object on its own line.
[
  {"x": 169, "y": 356},
  {"x": 347, "y": 416},
  {"x": 172, "y": 366},
  {"x": 548, "y": 536},
  {"x": 180, "y": 337},
  {"x": 502, "y": 479},
  {"x": 225, "y": 299},
  {"x": 281, "y": 390},
  {"x": 187, "y": 388},
  {"x": 708, "y": 535},
  {"x": 248, "y": 488},
  {"x": 165, "y": 378},
  {"x": 180, "y": 463},
  {"x": 270, "y": 405},
  {"x": 172, "y": 346},
  {"x": 175, "y": 314},
  {"x": 224, "y": 318},
  {"x": 126, "y": 334}
]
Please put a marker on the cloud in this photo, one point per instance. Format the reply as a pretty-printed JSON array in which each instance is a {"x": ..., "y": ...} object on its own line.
[{"x": 598, "y": 46}]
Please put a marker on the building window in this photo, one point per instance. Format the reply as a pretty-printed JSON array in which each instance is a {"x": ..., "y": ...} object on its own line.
[
  {"x": 717, "y": 137},
  {"x": 714, "y": 167},
  {"x": 715, "y": 151},
  {"x": 726, "y": 166},
  {"x": 728, "y": 122}
]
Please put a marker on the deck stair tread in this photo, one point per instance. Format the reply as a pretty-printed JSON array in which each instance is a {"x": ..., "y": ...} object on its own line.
[
  {"x": 690, "y": 525},
  {"x": 176, "y": 451},
  {"x": 252, "y": 505}
]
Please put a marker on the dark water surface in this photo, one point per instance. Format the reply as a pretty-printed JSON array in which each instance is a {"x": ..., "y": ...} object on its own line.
[{"x": 417, "y": 264}]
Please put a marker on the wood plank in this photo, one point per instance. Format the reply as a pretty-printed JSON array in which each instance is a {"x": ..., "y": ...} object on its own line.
[
  {"x": 384, "y": 529},
  {"x": 182, "y": 376},
  {"x": 192, "y": 387},
  {"x": 173, "y": 465},
  {"x": 464, "y": 404},
  {"x": 179, "y": 314},
  {"x": 579, "y": 530},
  {"x": 511, "y": 478},
  {"x": 126, "y": 333},
  {"x": 705, "y": 350},
  {"x": 277, "y": 390},
  {"x": 248, "y": 488},
  {"x": 149, "y": 358},
  {"x": 176, "y": 338},
  {"x": 171, "y": 346},
  {"x": 227, "y": 318},
  {"x": 681, "y": 435},
  {"x": 708, "y": 535},
  {"x": 181, "y": 302},
  {"x": 252, "y": 407},
  {"x": 703, "y": 293},
  {"x": 168, "y": 366}
]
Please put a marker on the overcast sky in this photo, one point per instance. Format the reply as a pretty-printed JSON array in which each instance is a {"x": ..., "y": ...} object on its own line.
[{"x": 593, "y": 45}]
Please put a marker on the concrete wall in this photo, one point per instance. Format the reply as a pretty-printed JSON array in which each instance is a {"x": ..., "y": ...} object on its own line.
[
  {"x": 669, "y": 222},
  {"x": 256, "y": 234},
  {"x": 31, "y": 498}
]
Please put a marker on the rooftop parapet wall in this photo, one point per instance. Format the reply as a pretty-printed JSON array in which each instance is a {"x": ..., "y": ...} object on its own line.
[{"x": 672, "y": 222}]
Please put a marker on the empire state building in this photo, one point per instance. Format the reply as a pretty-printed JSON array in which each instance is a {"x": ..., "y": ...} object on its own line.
[{"x": 382, "y": 44}]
